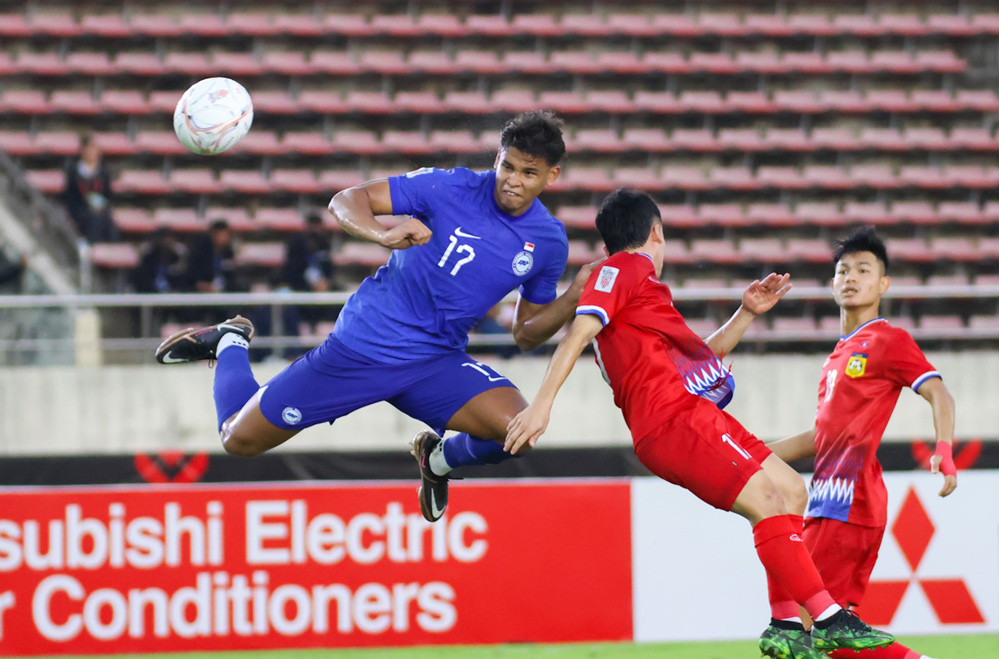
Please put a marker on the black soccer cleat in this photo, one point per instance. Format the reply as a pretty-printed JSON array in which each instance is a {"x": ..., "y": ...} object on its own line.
[
  {"x": 433, "y": 488},
  {"x": 845, "y": 630},
  {"x": 782, "y": 640},
  {"x": 197, "y": 343}
]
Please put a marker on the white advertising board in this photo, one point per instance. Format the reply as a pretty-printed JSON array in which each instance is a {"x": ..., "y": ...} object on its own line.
[{"x": 696, "y": 574}]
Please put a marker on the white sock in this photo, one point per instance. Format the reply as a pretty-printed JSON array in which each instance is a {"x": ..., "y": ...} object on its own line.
[
  {"x": 231, "y": 339},
  {"x": 831, "y": 611},
  {"x": 438, "y": 464}
]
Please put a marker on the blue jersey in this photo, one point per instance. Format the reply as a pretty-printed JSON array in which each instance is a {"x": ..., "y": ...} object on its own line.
[{"x": 427, "y": 298}]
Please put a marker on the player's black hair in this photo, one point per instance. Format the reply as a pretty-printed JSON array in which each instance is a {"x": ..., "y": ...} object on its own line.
[
  {"x": 314, "y": 218},
  {"x": 863, "y": 239},
  {"x": 218, "y": 224},
  {"x": 625, "y": 218},
  {"x": 538, "y": 133}
]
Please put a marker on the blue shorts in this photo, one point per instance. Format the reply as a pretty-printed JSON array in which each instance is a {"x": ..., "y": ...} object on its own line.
[{"x": 331, "y": 381}]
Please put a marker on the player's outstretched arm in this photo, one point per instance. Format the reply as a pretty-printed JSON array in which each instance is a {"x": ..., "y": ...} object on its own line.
[
  {"x": 530, "y": 423},
  {"x": 758, "y": 298},
  {"x": 355, "y": 210},
  {"x": 942, "y": 403},
  {"x": 534, "y": 324},
  {"x": 795, "y": 447}
]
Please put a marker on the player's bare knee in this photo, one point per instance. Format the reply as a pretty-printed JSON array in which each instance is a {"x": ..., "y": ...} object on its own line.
[
  {"x": 235, "y": 443},
  {"x": 795, "y": 496}
]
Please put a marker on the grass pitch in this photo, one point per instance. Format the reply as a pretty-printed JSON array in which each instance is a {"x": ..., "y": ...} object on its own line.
[{"x": 978, "y": 646}]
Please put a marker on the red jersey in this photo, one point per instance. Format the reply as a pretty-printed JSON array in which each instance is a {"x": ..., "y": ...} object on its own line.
[
  {"x": 861, "y": 381},
  {"x": 654, "y": 363}
]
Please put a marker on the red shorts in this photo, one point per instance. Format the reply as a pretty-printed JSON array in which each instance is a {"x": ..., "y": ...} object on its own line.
[
  {"x": 844, "y": 554},
  {"x": 704, "y": 450}
]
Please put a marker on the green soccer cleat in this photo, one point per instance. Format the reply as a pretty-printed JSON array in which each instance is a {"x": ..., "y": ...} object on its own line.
[
  {"x": 847, "y": 631},
  {"x": 788, "y": 643}
]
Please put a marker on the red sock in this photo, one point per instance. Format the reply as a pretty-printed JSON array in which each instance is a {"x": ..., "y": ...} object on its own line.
[
  {"x": 893, "y": 651},
  {"x": 783, "y": 554},
  {"x": 782, "y": 604}
]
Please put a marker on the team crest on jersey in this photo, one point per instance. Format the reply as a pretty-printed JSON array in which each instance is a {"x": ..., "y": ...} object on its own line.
[
  {"x": 856, "y": 365},
  {"x": 523, "y": 262},
  {"x": 606, "y": 279}
]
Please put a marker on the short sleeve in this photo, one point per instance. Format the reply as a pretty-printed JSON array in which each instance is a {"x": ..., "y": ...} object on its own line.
[
  {"x": 610, "y": 288},
  {"x": 908, "y": 366},
  {"x": 542, "y": 288},
  {"x": 412, "y": 193}
]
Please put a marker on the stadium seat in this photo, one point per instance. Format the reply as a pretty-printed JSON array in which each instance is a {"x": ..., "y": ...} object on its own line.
[
  {"x": 647, "y": 139},
  {"x": 872, "y": 212},
  {"x": 750, "y": 102},
  {"x": 577, "y": 217},
  {"x": 434, "y": 62},
  {"x": 196, "y": 64},
  {"x": 771, "y": 215},
  {"x": 411, "y": 142},
  {"x": 260, "y": 254},
  {"x": 809, "y": 250},
  {"x": 581, "y": 252},
  {"x": 722, "y": 215},
  {"x": 584, "y": 24},
  {"x": 280, "y": 219},
  {"x": 114, "y": 256},
  {"x": 143, "y": 182},
  {"x": 299, "y": 181},
  {"x": 820, "y": 213},
  {"x": 715, "y": 250},
  {"x": 260, "y": 142},
  {"x": 916, "y": 212},
  {"x": 74, "y": 102},
  {"x": 361, "y": 253},
  {"x": 159, "y": 142},
  {"x": 781, "y": 178},
  {"x": 961, "y": 212},
  {"x": 742, "y": 139},
  {"x": 679, "y": 216},
  {"x": 762, "y": 250},
  {"x": 244, "y": 182},
  {"x": 196, "y": 181},
  {"x": 324, "y": 102}
]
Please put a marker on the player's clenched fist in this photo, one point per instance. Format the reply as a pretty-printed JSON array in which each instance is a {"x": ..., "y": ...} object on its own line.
[{"x": 409, "y": 233}]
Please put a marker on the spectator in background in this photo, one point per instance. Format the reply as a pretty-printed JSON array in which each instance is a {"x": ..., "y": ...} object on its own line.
[
  {"x": 211, "y": 268},
  {"x": 161, "y": 265},
  {"x": 308, "y": 267},
  {"x": 87, "y": 194},
  {"x": 12, "y": 269}
]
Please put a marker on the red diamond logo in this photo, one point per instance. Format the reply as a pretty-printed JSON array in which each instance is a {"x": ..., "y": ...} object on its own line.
[{"x": 951, "y": 600}]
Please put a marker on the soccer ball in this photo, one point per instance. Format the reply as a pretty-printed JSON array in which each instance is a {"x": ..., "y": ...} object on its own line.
[{"x": 213, "y": 116}]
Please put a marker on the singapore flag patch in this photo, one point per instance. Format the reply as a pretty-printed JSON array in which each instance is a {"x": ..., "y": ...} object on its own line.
[{"x": 606, "y": 279}]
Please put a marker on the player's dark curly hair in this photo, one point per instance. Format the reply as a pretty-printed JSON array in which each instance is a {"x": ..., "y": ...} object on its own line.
[
  {"x": 538, "y": 133},
  {"x": 863, "y": 239},
  {"x": 625, "y": 218}
]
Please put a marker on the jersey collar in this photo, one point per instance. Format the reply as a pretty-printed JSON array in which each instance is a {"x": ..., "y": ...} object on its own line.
[{"x": 844, "y": 337}]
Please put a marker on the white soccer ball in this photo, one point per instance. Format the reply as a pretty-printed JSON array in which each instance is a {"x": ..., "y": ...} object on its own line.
[{"x": 213, "y": 116}]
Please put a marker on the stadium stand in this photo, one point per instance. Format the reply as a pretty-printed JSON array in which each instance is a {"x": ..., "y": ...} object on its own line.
[{"x": 764, "y": 130}]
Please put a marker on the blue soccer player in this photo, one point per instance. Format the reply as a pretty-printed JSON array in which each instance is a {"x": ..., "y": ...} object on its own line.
[{"x": 472, "y": 239}]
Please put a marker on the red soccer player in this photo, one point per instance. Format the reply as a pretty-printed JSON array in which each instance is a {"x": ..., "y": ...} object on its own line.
[
  {"x": 861, "y": 381},
  {"x": 667, "y": 381}
]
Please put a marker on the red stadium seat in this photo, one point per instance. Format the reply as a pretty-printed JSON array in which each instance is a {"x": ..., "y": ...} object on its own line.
[
  {"x": 934, "y": 100},
  {"x": 386, "y": 62},
  {"x": 92, "y": 64},
  {"x": 647, "y": 139},
  {"x": 941, "y": 61},
  {"x": 656, "y": 102},
  {"x": 679, "y": 216},
  {"x": 890, "y": 100},
  {"x": 850, "y": 61},
  {"x": 527, "y": 62},
  {"x": 61, "y": 24},
  {"x": 722, "y": 23},
  {"x": 763, "y": 62},
  {"x": 264, "y": 255},
  {"x": 456, "y": 141},
  {"x": 931, "y": 139},
  {"x": 111, "y": 25},
  {"x": 490, "y": 25},
  {"x": 397, "y": 25},
  {"x": 581, "y": 252},
  {"x": 244, "y": 182},
  {"x": 837, "y": 139},
  {"x": 442, "y": 24},
  {"x": 708, "y": 102},
  {"x": 820, "y": 213},
  {"x": 14, "y": 25},
  {"x": 781, "y": 178},
  {"x": 916, "y": 212},
  {"x": 467, "y": 102},
  {"x": 352, "y": 24},
  {"x": 584, "y": 24},
  {"x": 668, "y": 63},
  {"x": 684, "y": 177},
  {"x": 750, "y": 102},
  {"x": 484, "y": 62},
  {"x": 809, "y": 250},
  {"x": 954, "y": 25},
  {"x": 883, "y": 139},
  {"x": 361, "y": 253},
  {"x": 368, "y": 102},
  {"x": 637, "y": 25},
  {"x": 237, "y": 65},
  {"x": 209, "y": 25},
  {"x": 47, "y": 181},
  {"x": 872, "y": 212},
  {"x": 715, "y": 250},
  {"x": 620, "y": 62},
  {"x": 17, "y": 143},
  {"x": 983, "y": 100},
  {"x": 74, "y": 102},
  {"x": 133, "y": 220},
  {"x": 954, "y": 249},
  {"x": 844, "y": 101},
  {"x": 788, "y": 139},
  {"x": 196, "y": 64},
  {"x": 829, "y": 177},
  {"x": 181, "y": 220},
  {"x": 716, "y": 63},
  {"x": 742, "y": 139},
  {"x": 197, "y": 181},
  {"x": 563, "y": 102},
  {"x": 144, "y": 182},
  {"x": 974, "y": 139},
  {"x": 514, "y": 100},
  {"x": 584, "y": 178},
  {"x": 863, "y": 25},
  {"x": 60, "y": 142},
  {"x": 42, "y": 64},
  {"x": 577, "y": 217},
  {"x": 723, "y": 215},
  {"x": 419, "y": 102},
  {"x": 874, "y": 176},
  {"x": 280, "y": 219},
  {"x": 299, "y": 181},
  {"x": 332, "y": 181},
  {"x": 334, "y": 63},
  {"x": 962, "y": 212},
  {"x": 238, "y": 218},
  {"x": 124, "y": 102},
  {"x": 600, "y": 140},
  {"x": 434, "y": 62},
  {"x": 156, "y": 25},
  {"x": 797, "y": 100},
  {"x": 770, "y": 215},
  {"x": 114, "y": 256},
  {"x": 538, "y": 24},
  {"x": 643, "y": 178},
  {"x": 909, "y": 250},
  {"x": 733, "y": 178},
  {"x": 412, "y": 142},
  {"x": 160, "y": 142},
  {"x": 910, "y": 25},
  {"x": 770, "y": 25},
  {"x": 612, "y": 101},
  {"x": 574, "y": 61},
  {"x": 290, "y": 63},
  {"x": 252, "y": 23}
]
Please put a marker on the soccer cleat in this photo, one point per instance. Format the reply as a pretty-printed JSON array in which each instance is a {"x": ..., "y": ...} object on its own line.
[
  {"x": 780, "y": 643},
  {"x": 433, "y": 489},
  {"x": 847, "y": 631},
  {"x": 196, "y": 343}
]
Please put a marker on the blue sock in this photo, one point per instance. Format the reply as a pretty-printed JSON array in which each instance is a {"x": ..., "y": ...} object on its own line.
[
  {"x": 462, "y": 450},
  {"x": 234, "y": 382}
]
